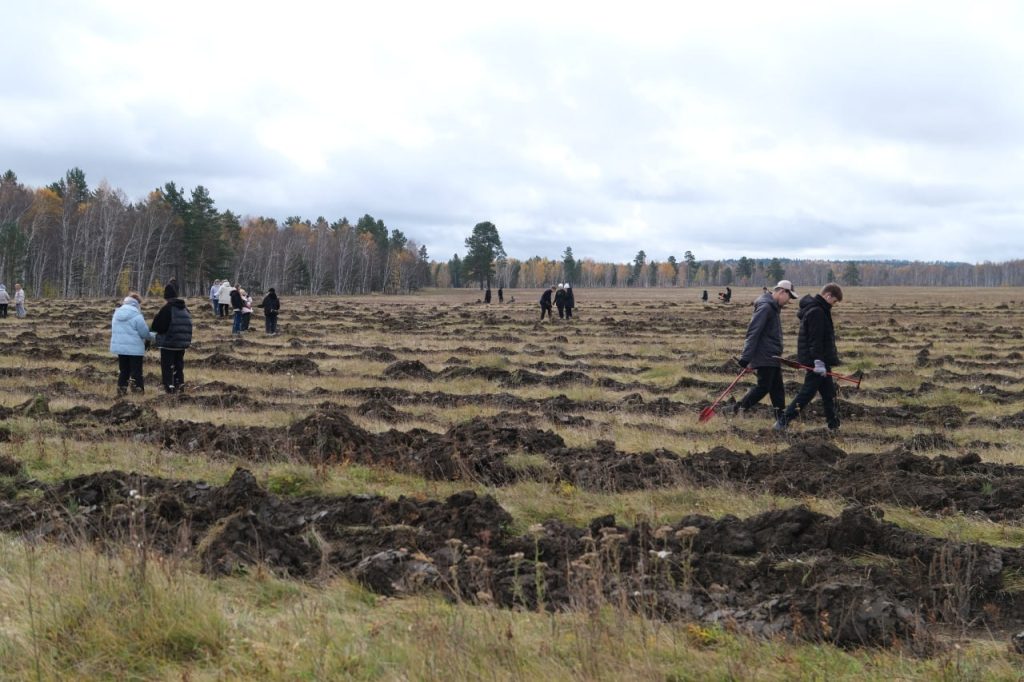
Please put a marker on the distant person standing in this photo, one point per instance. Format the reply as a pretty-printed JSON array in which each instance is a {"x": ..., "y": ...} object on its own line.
[
  {"x": 560, "y": 301},
  {"x": 236, "y": 307},
  {"x": 214, "y": 293},
  {"x": 19, "y": 300},
  {"x": 761, "y": 348},
  {"x": 128, "y": 338},
  {"x": 704, "y": 296},
  {"x": 5, "y": 300},
  {"x": 173, "y": 328},
  {"x": 816, "y": 348},
  {"x": 570, "y": 301},
  {"x": 545, "y": 303},
  {"x": 501, "y": 295},
  {"x": 246, "y": 309},
  {"x": 271, "y": 305},
  {"x": 487, "y": 295},
  {"x": 224, "y": 298}
]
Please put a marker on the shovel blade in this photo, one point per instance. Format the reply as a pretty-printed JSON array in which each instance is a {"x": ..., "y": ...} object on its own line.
[{"x": 706, "y": 414}]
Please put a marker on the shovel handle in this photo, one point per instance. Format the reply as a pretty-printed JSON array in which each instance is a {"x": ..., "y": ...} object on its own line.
[{"x": 798, "y": 365}]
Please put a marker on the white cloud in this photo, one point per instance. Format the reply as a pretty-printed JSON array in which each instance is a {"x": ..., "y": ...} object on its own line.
[{"x": 858, "y": 128}]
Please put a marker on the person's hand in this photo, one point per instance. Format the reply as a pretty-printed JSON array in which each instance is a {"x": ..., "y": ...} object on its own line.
[
  {"x": 819, "y": 368},
  {"x": 743, "y": 363}
]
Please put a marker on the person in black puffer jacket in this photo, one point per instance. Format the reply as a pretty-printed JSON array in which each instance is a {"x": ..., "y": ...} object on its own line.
[
  {"x": 816, "y": 348},
  {"x": 762, "y": 346},
  {"x": 173, "y": 327},
  {"x": 271, "y": 305}
]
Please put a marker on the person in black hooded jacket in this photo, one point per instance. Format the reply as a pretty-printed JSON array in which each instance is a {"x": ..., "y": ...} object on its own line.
[
  {"x": 271, "y": 305},
  {"x": 763, "y": 346},
  {"x": 816, "y": 348},
  {"x": 173, "y": 327}
]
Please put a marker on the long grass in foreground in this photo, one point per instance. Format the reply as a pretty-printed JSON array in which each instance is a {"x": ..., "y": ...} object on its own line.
[{"x": 75, "y": 613}]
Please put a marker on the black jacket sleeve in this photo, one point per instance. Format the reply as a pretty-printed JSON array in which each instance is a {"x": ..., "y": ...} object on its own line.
[{"x": 162, "y": 321}]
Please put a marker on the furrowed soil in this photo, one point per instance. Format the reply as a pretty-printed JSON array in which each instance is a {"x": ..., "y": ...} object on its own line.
[{"x": 434, "y": 445}]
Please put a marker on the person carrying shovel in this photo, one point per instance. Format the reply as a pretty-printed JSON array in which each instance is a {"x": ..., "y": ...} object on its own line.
[
  {"x": 816, "y": 348},
  {"x": 763, "y": 345}
]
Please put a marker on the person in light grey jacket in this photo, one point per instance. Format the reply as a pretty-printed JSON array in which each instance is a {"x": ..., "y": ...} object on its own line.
[
  {"x": 5, "y": 300},
  {"x": 762, "y": 348},
  {"x": 19, "y": 300},
  {"x": 128, "y": 336}
]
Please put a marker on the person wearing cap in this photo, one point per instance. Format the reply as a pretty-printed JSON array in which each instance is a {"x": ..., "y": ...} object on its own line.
[
  {"x": 816, "y": 348},
  {"x": 763, "y": 347},
  {"x": 128, "y": 336}
]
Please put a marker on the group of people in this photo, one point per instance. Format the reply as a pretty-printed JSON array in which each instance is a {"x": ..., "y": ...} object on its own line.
[
  {"x": 170, "y": 331},
  {"x": 225, "y": 298},
  {"x": 563, "y": 299},
  {"x": 816, "y": 351},
  {"x": 19, "y": 301},
  {"x": 487, "y": 295}
]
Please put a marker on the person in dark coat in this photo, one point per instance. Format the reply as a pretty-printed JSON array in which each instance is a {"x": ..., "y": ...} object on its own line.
[
  {"x": 816, "y": 348},
  {"x": 271, "y": 305},
  {"x": 501, "y": 295},
  {"x": 704, "y": 296},
  {"x": 570, "y": 301},
  {"x": 545, "y": 303},
  {"x": 237, "y": 303},
  {"x": 173, "y": 327},
  {"x": 487, "y": 295},
  {"x": 761, "y": 348},
  {"x": 560, "y": 301}
]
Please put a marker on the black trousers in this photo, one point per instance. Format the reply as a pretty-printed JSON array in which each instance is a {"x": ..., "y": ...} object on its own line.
[
  {"x": 816, "y": 384},
  {"x": 172, "y": 368},
  {"x": 561, "y": 310},
  {"x": 3, "y": 309},
  {"x": 130, "y": 367},
  {"x": 270, "y": 322},
  {"x": 545, "y": 309},
  {"x": 769, "y": 382},
  {"x": 568, "y": 312}
]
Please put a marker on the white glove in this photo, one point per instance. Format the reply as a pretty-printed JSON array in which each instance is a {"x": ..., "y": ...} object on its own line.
[{"x": 819, "y": 368}]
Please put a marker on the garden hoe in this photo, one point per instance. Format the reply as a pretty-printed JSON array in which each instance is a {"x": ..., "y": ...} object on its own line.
[
  {"x": 709, "y": 411},
  {"x": 854, "y": 378}
]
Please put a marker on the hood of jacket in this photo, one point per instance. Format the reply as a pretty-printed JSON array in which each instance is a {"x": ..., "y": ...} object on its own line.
[
  {"x": 811, "y": 301},
  {"x": 127, "y": 310}
]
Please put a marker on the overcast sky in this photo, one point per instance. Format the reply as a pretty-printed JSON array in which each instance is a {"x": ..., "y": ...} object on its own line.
[{"x": 814, "y": 129}]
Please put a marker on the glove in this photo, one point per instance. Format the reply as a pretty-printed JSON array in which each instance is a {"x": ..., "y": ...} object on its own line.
[
  {"x": 743, "y": 363},
  {"x": 819, "y": 368}
]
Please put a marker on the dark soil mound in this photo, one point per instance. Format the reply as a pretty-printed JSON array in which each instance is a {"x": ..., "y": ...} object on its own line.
[
  {"x": 851, "y": 580},
  {"x": 408, "y": 369}
]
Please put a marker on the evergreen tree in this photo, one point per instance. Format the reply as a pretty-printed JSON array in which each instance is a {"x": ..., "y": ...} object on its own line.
[
  {"x": 484, "y": 246},
  {"x": 775, "y": 271},
  {"x": 569, "y": 265},
  {"x": 851, "y": 274}
]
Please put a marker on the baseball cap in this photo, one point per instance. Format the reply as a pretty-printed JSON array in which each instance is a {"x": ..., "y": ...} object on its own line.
[{"x": 788, "y": 286}]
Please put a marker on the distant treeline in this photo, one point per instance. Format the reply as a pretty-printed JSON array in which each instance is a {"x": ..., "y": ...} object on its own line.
[
  {"x": 70, "y": 240},
  {"x": 539, "y": 272}
]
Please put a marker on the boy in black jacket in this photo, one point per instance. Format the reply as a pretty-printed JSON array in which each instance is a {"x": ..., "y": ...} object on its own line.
[
  {"x": 816, "y": 347},
  {"x": 173, "y": 327},
  {"x": 763, "y": 345}
]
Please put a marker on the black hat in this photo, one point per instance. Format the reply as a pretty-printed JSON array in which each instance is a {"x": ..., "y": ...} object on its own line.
[
  {"x": 271, "y": 290},
  {"x": 170, "y": 291}
]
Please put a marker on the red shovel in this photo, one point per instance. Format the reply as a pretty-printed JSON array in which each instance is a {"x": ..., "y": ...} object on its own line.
[
  {"x": 854, "y": 379},
  {"x": 709, "y": 411}
]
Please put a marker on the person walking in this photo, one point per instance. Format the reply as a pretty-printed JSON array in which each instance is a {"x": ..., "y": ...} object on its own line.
[
  {"x": 545, "y": 303},
  {"x": 129, "y": 336},
  {"x": 214, "y": 294},
  {"x": 224, "y": 298},
  {"x": 173, "y": 328},
  {"x": 560, "y": 301},
  {"x": 5, "y": 300},
  {"x": 816, "y": 348},
  {"x": 761, "y": 348},
  {"x": 271, "y": 305},
  {"x": 501, "y": 295},
  {"x": 704, "y": 296},
  {"x": 570, "y": 301},
  {"x": 19, "y": 300}
]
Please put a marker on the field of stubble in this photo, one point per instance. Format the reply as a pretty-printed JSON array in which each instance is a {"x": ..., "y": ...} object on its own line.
[{"x": 425, "y": 486}]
